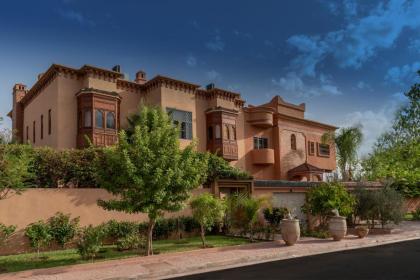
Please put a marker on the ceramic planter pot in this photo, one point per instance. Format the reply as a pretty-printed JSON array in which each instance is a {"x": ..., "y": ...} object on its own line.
[
  {"x": 362, "y": 231},
  {"x": 337, "y": 227},
  {"x": 290, "y": 231}
]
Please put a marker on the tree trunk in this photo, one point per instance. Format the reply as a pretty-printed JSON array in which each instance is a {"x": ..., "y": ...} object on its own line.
[
  {"x": 149, "y": 247},
  {"x": 203, "y": 238}
]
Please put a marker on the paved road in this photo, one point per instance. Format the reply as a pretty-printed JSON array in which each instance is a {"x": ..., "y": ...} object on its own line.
[{"x": 394, "y": 261}]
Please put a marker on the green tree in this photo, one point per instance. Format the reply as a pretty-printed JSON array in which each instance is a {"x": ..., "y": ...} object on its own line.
[
  {"x": 39, "y": 235},
  {"x": 207, "y": 210},
  {"x": 347, "y": 140},
  {"x": 322, "y": 199},
  {"x": 396, "y": 154},
  {"x": 148, "y": 171},
  {"x": 62, "y": 228},
  {"x": 15, "y": 163}
]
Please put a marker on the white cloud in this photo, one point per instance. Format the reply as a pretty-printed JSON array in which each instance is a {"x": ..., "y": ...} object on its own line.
[
  {"x": 404, "y": 74},
  {"x": 216, "y": 44},
  {"x": 414, "y": 45},
  {"x": 359, "y": 40},
  {"x": 374, "y": 122},
  {"x": 213, "y": 75},
  {"x": 191, "y": 60},
  {"x": 76, "y": 17},
  {"x": 293, "y": 84}
]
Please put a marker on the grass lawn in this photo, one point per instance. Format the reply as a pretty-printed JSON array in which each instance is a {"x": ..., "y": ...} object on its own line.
[{"x": 20, "y": 262}]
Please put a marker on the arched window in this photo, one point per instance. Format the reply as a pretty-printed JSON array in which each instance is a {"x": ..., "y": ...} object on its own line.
[
  {"x": 110, "y": 120},
  {"x": 232, "y": 132},
  {"x": 210, "y": 132},
  {"x": 99, "y": 119},
  {"x": 226, "y": 132},
  {"x": 293, "y": 142},
  {"x": 217, "y": 132},
  {"x": 87, "y": 118}
]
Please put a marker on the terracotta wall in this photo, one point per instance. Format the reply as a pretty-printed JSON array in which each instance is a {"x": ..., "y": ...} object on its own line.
[
  {"x": 40, "y": 105},
  {"x": 40, "y": 204}
]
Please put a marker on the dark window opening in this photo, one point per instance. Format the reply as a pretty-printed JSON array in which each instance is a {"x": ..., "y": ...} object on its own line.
[
  {"x": 99, "y": 119},
  {"x": 110, "y": 120},
  {"x": 311, "y": 148},
  {"x": 87, "y": 118},
  {"x": 49, "y": 122},
  {"x": 184, "y": 120},
  {"x": 293, "y": 142},
  {"x": 260, "y": 143},
  {"x": 324, "y": 150},
  {"x": 33, "y": 131},
  {"x": 42, "y": 126},
  {"x": 210, "y": 132}
]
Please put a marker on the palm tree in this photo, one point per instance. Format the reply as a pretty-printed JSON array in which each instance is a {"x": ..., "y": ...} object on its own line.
[{"x": 347, "y": 140}]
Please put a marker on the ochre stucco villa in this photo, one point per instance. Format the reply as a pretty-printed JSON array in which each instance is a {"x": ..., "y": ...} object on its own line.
[{"x": 274, "y": 142}]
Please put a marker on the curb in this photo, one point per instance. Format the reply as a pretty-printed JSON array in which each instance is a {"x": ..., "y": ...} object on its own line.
[{"x": 247, "y": 261}]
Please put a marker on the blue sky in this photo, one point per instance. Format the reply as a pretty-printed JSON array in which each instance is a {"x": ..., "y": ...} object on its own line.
[{"x": 348, "y": 60}]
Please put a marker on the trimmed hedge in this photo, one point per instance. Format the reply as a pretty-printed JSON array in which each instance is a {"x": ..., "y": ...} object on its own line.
[{"x": 52, "y": 168}]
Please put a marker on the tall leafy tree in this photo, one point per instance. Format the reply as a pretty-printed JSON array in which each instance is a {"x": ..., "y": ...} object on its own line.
[
  {"x": 15, "y": 174},
  {"x": 347, "y": 140},
  {"x": 207, "y": 210},
  {"x": 148, "y": 172},
  {"x": 396, "y": 154}
]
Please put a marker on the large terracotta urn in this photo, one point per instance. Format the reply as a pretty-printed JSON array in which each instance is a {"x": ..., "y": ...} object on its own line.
[
  {"x": 337, "y": 227},
  {"x": 290, "y": 231}
]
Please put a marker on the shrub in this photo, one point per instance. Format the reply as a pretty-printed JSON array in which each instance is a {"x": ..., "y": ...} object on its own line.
[
  {"x": 416, "y": 214},
  {"x": 53, "y": 167},
  {"x": 218, "y": 168},
  {"x": 6, "y": 232},
  {"x": 322, "y": 199},
  {"x": 90, "y": 241},
  {"x": 242, "y": 210},
  {"x": 390, "y": 206},
  {"x": 62, "y": 228},
  {"x": 115, "y": 230},
  {"x": 15, "y": 174},
  {"x": 274, "y": 215},
  {"x": 207, "y": 210},
  {"x": 39, "y": 235},
  {"x": 131, "y": 241},
  {"x": 366, "y": 206}
]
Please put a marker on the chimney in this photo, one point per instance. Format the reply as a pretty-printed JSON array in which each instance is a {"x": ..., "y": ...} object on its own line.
[
  {"x": 140, "y": 77},
  {"x": 210, "y": 86},
  {"x": 19, "y": 91},
  {"x": 116, "y": 68}
]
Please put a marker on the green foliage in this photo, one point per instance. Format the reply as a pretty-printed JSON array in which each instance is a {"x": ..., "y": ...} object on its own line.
[
  {"x": 148, "y": 170},
  {"x": 320, "y": 233},
  {"x": 347, "y": 140},
  {"x": 115, "y": 230},
  {"x": 39, "y": 235},
  {"x": 62, "y": 228},
  {"x": 242, "y": 210},
  {"x": 218, "y": 168},
  {"x": 322, "y": 199},
  {"x": 90, "y": 241},
  {"x": 14, "y": 168},
  {"x": 396, "y": 154},
  {"x": 366, "y": 207},
  {"x": 54, "y": 167},
  {"x": 6, "y": 232},
  {"x": 386, "y": 205},
  {"x": 130, "y": 242},
  {"x": 416, "y": 214},
  {"x": 274, "y": 215},
  {"x": 207, "y": 210},
  {"x": 390, "y": 206}
]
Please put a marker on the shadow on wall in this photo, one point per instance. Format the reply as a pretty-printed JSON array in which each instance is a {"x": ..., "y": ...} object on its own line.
[{"x": 291, "y": 160}]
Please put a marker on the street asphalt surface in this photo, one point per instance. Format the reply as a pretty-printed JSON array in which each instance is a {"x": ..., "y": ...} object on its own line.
[{"x": 392, "y": 261}]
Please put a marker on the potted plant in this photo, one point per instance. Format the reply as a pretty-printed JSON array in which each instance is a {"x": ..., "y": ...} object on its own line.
[
  {"x": 290, "y": 230},
  {"x": 337, "y": 226},
  {"x": 362, "y": 231}
]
